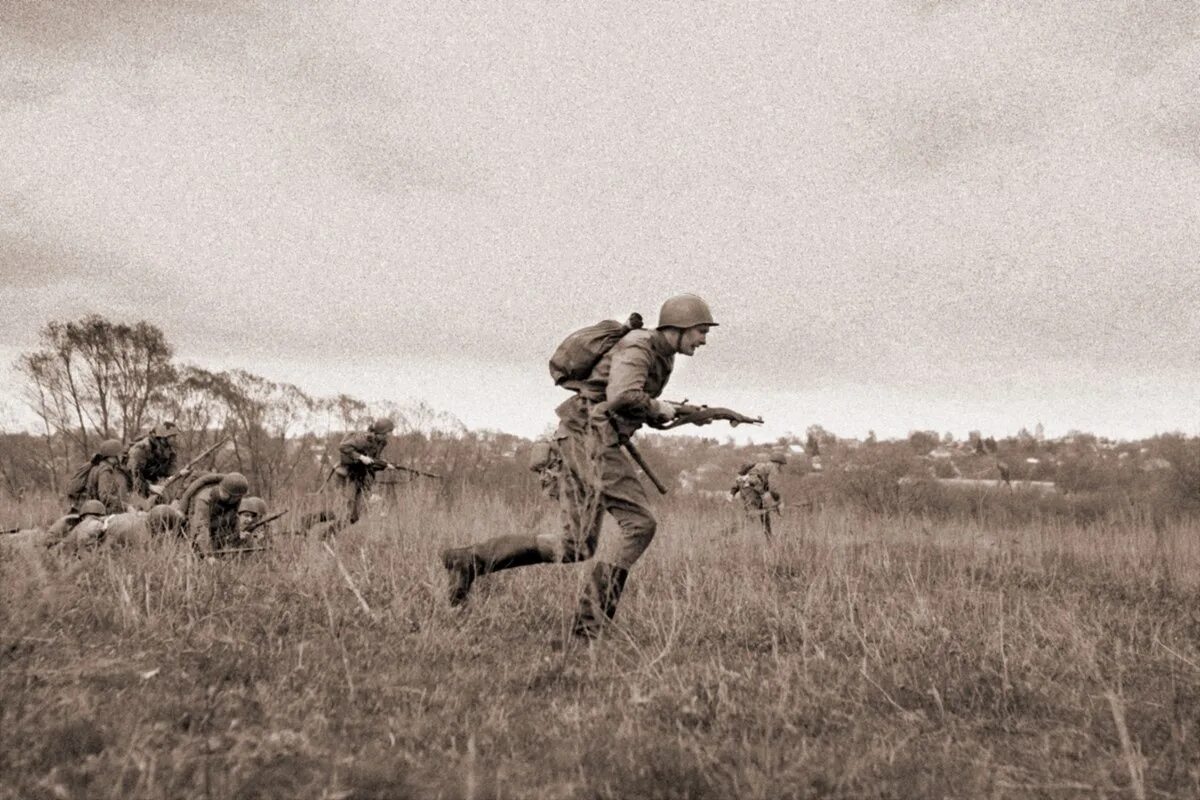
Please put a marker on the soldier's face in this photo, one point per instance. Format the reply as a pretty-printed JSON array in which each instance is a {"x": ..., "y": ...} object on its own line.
[
  {"x": 247, "y": 518},
  {"x": 692, "y": 338}
]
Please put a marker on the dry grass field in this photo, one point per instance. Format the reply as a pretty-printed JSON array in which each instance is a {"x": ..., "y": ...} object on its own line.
[{"x": 856, "y": 656}]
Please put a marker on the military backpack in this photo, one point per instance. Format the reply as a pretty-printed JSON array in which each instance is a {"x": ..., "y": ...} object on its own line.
[{"x": 579, "y": 353}]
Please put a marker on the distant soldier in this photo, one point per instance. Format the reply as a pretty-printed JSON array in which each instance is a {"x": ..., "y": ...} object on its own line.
[
  {"x": 152, "y": 457},
  {"x": 251, "y": 511},
  {"x": 359, "y": 460},
  {"x": 617, "y": 395},
  {"x": 756, "y": 486},
  {"x": 210, "y": 509},
  {"x": 546, "y": 461}
]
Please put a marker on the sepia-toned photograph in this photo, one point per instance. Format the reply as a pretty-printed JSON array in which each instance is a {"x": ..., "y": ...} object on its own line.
[{"x": 691, "y": 399}]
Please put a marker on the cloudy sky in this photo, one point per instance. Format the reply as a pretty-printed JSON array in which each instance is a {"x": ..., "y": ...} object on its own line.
[{"x": 910, "y": 214}]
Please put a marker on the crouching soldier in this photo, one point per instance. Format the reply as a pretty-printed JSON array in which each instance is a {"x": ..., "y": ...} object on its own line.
[
  {"x": 210, "y": 510},
  {"x": 103, "y": 478},
  {"x": 614, "y": 397},
  {"x": 756, "y": 486},
  {"x": 358, "y": 461}
]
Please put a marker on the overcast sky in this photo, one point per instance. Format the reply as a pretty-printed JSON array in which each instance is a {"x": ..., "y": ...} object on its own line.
[{"x": 951, "y": 215}]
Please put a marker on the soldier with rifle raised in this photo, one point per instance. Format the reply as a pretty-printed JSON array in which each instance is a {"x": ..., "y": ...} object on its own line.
[
  {"x": 617, "y": 373},
  {"x": 360, "y": 460},
  {"x": 160, "y": 492}
]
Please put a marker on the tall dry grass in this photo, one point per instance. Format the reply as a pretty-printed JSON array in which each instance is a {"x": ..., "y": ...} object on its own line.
[{"x": 858, "y": 655}]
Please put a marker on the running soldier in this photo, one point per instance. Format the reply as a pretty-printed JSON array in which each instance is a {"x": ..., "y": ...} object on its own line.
[
  {"x": 756, "y": 486},
  {"x": 210, "y": 510},
  {"x": 152, "y": 458},
  {"x": 358, "y": 462},
  {"x": 617, "y": 397}
]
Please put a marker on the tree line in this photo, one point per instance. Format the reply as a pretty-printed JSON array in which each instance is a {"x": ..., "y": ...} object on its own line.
[{"x": 93, "y": 379}]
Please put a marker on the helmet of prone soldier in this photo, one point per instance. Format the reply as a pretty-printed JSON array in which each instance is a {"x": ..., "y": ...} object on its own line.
[
  {"x": 684, "y": 311},
  {"x": 93, "y": 508},
  {"x": 235, "y": 485},
  {"x": 779, "y": 457},
  {"x": 110, "y": 448},
  {"x": 253, "y": 505},
  {"x": 382, "y": 425}
]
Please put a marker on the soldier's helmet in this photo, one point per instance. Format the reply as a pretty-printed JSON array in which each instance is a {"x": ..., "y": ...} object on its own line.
[
  {"x": 382, "y": 425},
  {"x": 253, "y": 505},
  {"x": 235, "y": 485},
  {"x": 684, "y": 311},
  {"x": 92, "y": 508},
  {"x": 110, "y": 448},
  {"x": 779, "y": 457}
]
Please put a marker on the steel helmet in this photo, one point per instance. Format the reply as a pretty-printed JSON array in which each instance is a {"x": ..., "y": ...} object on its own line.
[
  {"x": 235, "y": 484},
  {"x": 253, "y": 505},
  {"x": 382, "y": 425},
  {"x": 684, "y": 311},
  {"x": 111, "y": 448},
  {"x": 779, "y": 457},
  {"x": 93, "y": 507}
]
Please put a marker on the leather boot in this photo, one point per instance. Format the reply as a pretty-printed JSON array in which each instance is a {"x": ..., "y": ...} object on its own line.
[
  {"x": 598, "y": 604},
  {"x": 465, "y": 564}
]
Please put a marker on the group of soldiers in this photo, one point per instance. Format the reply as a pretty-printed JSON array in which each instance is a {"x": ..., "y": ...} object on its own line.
[
  {"x": 589, "y": 470},
  {"x": 131, "y": 495}
]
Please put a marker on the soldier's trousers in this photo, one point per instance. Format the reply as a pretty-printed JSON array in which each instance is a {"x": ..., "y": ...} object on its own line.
[
  {"x": 596, "y": 478},
  {"x": 354, "y": 496}
]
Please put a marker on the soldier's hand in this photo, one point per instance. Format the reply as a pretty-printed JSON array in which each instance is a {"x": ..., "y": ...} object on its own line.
[
  {"x": 663, "y": 412},
  {"x": 366, "y": 460}
]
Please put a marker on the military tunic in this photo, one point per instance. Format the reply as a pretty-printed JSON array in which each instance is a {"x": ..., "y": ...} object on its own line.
[
  {"x": 150, "y": 460},
  {"x": 354, "y": 477},
  {"x": 212, "y": 523},
  {"x": 611, "y": 405}
]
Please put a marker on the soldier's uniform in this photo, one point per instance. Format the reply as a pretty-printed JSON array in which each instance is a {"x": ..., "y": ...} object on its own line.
[
  {"x": 211, "y": 512},
  {"x": 152, "y": 458},
  {"x": 109, "y": 483},
  {"x": 355, "y": 472},
  {"x": 546, "y": 461},
  {"x": 756, "y": 488},
  {"x": 610, "y": 405}
]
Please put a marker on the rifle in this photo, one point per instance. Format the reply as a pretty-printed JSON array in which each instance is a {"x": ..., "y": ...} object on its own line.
[
  {"x": 6, "y": 531},
  {"x": 229, "y": 551},
  {"x": 636, "y": 455},
  {"x": 256, "y": 525},
  {"x": 187, "y": 470},
  {"x": 380, "y": 464},
  {"x": 686, "y": 414}
]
